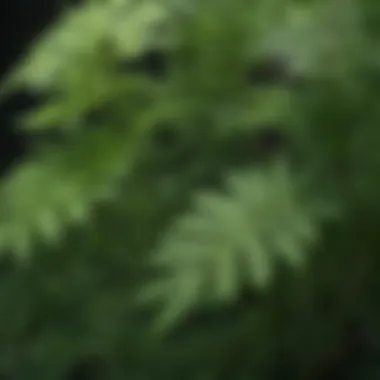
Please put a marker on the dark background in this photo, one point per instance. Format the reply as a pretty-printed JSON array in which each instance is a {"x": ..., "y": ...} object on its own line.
[{"x": 20, "y": 22}]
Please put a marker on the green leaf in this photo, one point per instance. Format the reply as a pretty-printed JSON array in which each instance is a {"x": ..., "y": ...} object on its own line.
[
  {"x": 40, "y": 197},
  {"x": 83, "y": 32},
  {"x": 258, "y": 222}
]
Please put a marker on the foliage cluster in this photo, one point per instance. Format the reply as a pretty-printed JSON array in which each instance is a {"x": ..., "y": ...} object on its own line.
[{"x": 190, "y": 208}]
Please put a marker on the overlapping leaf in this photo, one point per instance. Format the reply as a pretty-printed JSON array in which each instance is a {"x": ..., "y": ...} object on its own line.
[
  {"x": 41, "y": 196},
  {"x": 123, "y": 26},
  {"x": 231, "y": 239}
]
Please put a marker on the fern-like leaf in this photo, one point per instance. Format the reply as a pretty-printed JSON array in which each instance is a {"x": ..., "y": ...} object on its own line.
[
  {"x": 41, "y": 196},
  {"x": 82, "y": 32},
  {"x": 230, "y": 239}
]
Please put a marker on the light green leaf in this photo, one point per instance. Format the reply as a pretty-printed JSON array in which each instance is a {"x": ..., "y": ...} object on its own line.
[
  {"x": 81, "y": 34},
  {"x": 41, "y": 197},
  {"x": 259, "y": 222}
]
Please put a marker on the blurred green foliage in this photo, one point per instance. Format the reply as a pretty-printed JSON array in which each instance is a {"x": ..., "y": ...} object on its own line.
[{"x": 245, "y": 212}]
